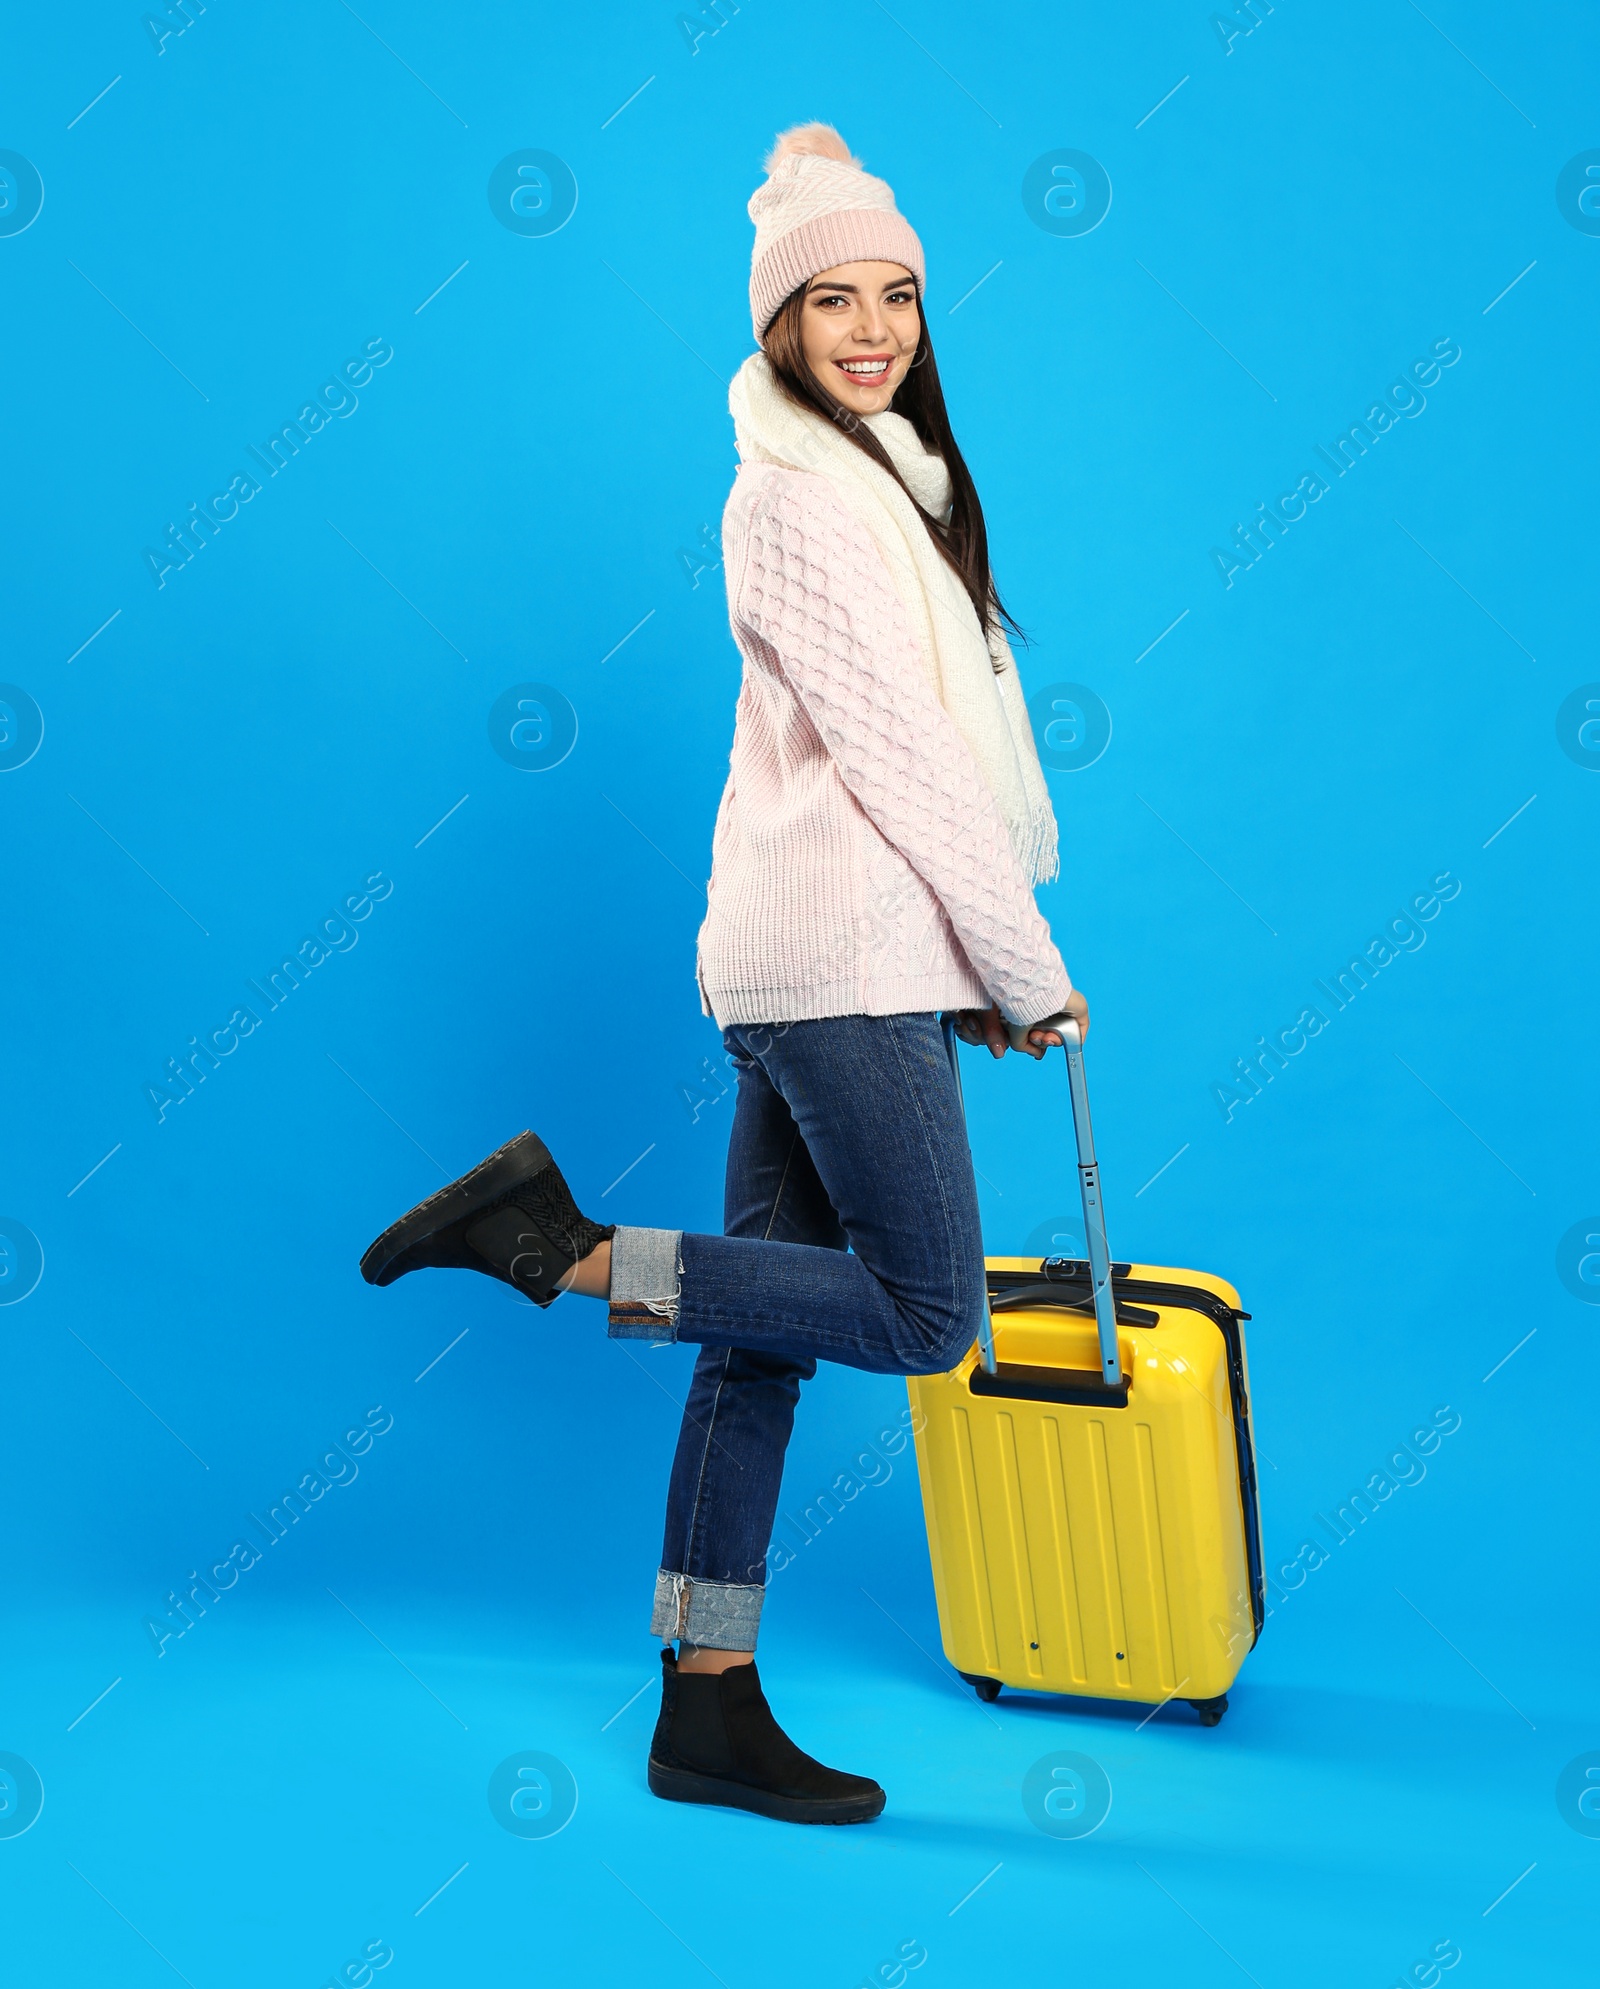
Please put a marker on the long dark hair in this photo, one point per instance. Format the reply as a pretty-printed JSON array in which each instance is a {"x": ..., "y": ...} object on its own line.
[{"x": 963, "y": 544}]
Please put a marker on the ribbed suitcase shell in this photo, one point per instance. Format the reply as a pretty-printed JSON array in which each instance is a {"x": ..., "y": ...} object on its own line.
[{"x": 1086, "y": 1548}]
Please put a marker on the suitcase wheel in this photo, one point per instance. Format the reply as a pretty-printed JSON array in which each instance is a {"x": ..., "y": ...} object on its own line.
[
  {"x": 987, "y": 1689},
  {"x": 1210, "y": 1710}
]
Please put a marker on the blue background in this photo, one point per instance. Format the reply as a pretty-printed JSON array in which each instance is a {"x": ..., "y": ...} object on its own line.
[{"x": 524, "y": 485}]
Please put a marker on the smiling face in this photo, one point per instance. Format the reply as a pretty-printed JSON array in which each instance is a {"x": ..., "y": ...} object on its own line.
[{"x": 859, "y": 328}]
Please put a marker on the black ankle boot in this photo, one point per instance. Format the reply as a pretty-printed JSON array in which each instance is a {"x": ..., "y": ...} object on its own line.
[
  {"x": 717, "y": 1742},
  {"x": 512, "y": 1217}
]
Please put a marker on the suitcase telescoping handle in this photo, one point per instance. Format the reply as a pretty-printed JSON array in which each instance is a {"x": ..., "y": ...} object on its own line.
[
  {"x": 1068, "y": 1028},
  {"x": 986, "y": 1328},
  {"x": 1094, "y": 1225}
]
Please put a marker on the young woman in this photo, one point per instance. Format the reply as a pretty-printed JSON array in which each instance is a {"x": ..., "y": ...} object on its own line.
[{"x": 882, "y": 828}]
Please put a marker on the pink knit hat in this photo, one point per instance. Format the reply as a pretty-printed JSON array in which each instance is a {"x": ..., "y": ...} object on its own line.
[{"x": 816, "y": 209}]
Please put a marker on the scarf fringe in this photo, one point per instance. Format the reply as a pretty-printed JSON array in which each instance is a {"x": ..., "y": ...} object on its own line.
[{"x": 1039, "y": 851}]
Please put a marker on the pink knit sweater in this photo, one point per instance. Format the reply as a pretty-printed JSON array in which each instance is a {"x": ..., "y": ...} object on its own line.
[{"x": 860, "y": 865}]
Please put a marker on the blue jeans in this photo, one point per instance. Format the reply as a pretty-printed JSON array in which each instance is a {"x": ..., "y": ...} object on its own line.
[{"x": 851, "y": 1235}]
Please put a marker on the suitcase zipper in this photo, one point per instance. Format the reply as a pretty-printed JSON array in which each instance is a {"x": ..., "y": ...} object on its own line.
[{"x": 1058, "y": 1272}]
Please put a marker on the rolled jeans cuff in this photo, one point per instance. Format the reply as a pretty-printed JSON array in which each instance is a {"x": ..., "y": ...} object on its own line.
[
  {"x": 724, "y": 1616},
  {"x": 646, "y": 1279}
]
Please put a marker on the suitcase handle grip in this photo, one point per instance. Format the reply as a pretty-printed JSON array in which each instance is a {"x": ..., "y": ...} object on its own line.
[
  {"x": 1105, "y": 1313},
  {"x": 1067, "y": 1027}
]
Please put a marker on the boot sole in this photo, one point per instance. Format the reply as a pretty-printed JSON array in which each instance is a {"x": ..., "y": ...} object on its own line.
[
  {"x": 681, "y": 1785},
  {"x": 526, "y": 1155}
]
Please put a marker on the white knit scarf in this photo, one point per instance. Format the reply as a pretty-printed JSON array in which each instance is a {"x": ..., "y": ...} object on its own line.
[{"x": 985, "y": 702}]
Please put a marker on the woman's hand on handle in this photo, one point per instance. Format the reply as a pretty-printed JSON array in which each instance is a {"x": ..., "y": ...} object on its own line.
[
  {"x": 1041, "y": 1039},
  {"x": 987, "y": 1027}
]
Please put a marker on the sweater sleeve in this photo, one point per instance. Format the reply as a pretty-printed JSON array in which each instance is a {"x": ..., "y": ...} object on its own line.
[{"x": 814, "y": 588}]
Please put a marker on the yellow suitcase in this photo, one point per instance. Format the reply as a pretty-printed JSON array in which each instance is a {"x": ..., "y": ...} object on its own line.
[{"x": 1088, "y": 1476}]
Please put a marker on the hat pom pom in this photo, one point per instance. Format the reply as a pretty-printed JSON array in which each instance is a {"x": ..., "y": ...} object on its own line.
[{"x": 817, "y": 141}]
